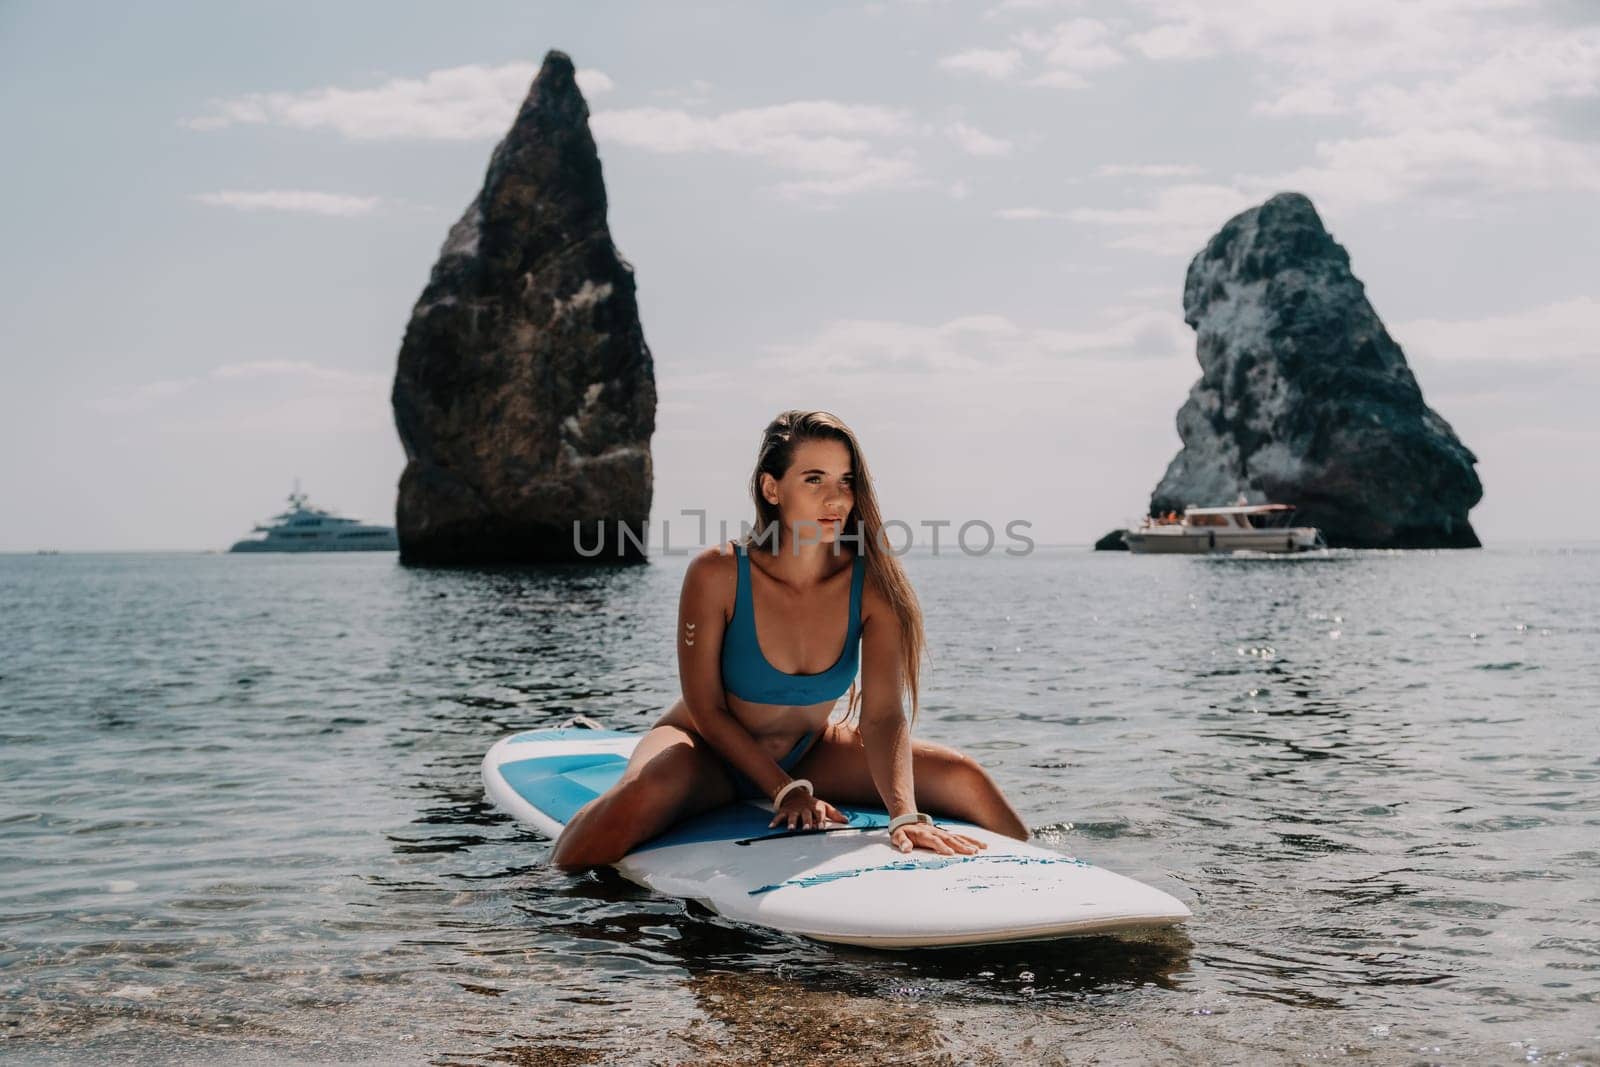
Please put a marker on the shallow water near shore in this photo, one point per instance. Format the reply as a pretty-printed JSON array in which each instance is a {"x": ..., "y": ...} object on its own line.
[{"x": 242, "y": 815}]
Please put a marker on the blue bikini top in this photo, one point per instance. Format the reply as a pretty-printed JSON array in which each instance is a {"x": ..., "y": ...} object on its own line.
[{"x": 747, "y": 674}]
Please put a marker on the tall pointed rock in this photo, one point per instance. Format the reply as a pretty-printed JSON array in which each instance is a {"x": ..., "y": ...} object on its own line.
[
  {"x": 525, "y": 394},
  {"x": 1305, "y": 399}
]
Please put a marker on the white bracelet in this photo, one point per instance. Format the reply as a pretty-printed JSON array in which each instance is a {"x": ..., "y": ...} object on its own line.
[
  {"x": 797, "y": 783},
  {"x": 907, "y": 819}
]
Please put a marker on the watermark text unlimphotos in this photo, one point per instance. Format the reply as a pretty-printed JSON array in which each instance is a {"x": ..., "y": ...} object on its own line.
[{"x": 973, "y": 537}]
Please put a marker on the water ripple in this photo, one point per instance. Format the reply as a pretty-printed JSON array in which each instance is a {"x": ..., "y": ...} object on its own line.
[{"x": 240, "y": 804}]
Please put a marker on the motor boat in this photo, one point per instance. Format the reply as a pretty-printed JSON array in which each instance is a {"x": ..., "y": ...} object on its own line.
[
  {"x": 304, "y": 528},
  {"x": 1236, "y": 528}
]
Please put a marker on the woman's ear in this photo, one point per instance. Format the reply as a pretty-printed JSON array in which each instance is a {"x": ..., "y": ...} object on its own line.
[{"x": 769, "y": 489}]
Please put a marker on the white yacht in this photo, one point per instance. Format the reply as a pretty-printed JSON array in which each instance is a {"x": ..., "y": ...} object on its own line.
[
  {"x": 1238, "y": 528},
  {"x": 304, "y": 528}
]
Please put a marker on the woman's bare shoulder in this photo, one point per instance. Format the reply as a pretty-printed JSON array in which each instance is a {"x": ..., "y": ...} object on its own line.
[
  {"x": 712, "y": 571},
  {"x": 873, "y": 602}
]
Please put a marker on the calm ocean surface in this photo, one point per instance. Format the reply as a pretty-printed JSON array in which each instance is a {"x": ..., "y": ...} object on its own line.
[{"x": 242, "y": 815}]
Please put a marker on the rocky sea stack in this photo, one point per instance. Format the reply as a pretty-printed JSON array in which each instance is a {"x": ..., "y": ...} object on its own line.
[
  {"x": 1305, "y": 399},
  {"x": 525, "y": 394}
]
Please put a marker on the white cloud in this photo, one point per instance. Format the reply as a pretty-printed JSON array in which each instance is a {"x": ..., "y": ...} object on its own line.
[
  {"x": 295, "y": 201},
  {"x": 1059, "y": 79},
  {"x": 1177, "y": 220},
  {"x": 140, "y": 397},
  {"x": 1429, "y": 62},
  {"x": 1319, "y": 98},
  {"x": 694, "y": 94},
  {"x": 1028, "y": 214},
  {"x": 301, "y": 369},
  {"x": 1008, "y": 7},
  {"x": 974, "y": 142},
  {"x": 1357, "y": 171},
  {"x": 1562, "y": 332},
  {"x": 996, "y": 63},
  {"x": 1172, "y": 40},
  {"x": 1442, "y": 100},
  {"x": 592, "y": 83},
  {"x": 837, "y": 147},
  {"x": 785, "y": 132},
  {"x": 468, "y": 103},
  {"x": 1446, "y": 97},
  {"x": 870, "y": 176},
  {"x": 981, "y": 346},
  {"x": 1076, "y": 45},
  {"x": 1067, "y": 51},
  {"x": 1446, "y": 93},
  {"x": 297, "y": 380},
  {"x": 1149, "y": 170},
  {"x": 1158, "y": 293},
  {"x": 1365, "y": 37}
]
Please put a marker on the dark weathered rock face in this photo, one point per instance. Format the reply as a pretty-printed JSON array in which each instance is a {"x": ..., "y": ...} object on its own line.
[
  {"x": 1304, "y": 398},
  {"x": 525, "y": 395}
]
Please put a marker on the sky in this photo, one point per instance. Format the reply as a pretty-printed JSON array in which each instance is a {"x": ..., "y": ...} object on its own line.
[{"x": 961, "y": 226}]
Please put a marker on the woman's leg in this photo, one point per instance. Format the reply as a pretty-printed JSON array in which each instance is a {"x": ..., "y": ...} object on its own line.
[
  {"x": 671, "y": 775},
  {"x": 947, "y": 782}
]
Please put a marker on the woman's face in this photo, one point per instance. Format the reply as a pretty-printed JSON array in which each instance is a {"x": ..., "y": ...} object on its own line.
[{"x": 818, "y": 486}]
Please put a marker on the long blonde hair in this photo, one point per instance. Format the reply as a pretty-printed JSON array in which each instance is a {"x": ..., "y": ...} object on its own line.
[{"x": 778, "y": 442}]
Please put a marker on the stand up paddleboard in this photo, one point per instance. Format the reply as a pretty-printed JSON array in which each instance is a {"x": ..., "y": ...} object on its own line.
[{"x": 843, "y": 884}]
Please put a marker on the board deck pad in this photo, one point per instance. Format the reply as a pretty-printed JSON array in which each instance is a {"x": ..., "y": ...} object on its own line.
[{"x": 845, "y": 884}]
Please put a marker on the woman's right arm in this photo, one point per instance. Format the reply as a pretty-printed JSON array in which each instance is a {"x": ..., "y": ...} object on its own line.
[{"x": 701, "y": 624}]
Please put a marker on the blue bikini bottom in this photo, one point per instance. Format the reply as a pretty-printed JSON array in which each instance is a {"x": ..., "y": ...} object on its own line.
[{"x": 745, "y": 789}]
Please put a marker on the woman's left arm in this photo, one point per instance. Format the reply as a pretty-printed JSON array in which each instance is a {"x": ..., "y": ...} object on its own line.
[{"x": 887, "y": 736}]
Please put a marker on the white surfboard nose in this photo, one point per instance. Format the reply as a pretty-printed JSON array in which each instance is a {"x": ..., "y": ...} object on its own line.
[{"x": 1015, "y": 892}]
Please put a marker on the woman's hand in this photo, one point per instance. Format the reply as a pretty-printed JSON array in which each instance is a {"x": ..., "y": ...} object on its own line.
[
  {"x": 805, "y": 812},
  {"x": 934, "y": 839}
]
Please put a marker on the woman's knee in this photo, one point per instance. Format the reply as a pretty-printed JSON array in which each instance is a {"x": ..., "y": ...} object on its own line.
[
  {"x": 957, "y": 769},
  {"x": 636, "y": 808},
  {"x": 588, "y": 839},
  {"x": 581, "y": 843},
  {"x": 970, "y": 777},
  {"x": 968, "y": 790},
  {"x": 597, "y": 834},
  {"x": 990, "y": 807}
]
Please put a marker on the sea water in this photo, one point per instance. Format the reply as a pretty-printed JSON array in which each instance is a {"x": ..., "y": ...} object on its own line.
[{"x": 241, "y": 815}]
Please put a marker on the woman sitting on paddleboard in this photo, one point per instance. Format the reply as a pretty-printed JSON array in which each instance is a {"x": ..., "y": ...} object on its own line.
[{"x": 754, "y": 717}]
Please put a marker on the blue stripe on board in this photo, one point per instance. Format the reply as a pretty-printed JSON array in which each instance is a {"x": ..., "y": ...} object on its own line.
[{"x": 560, "y": 785}]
